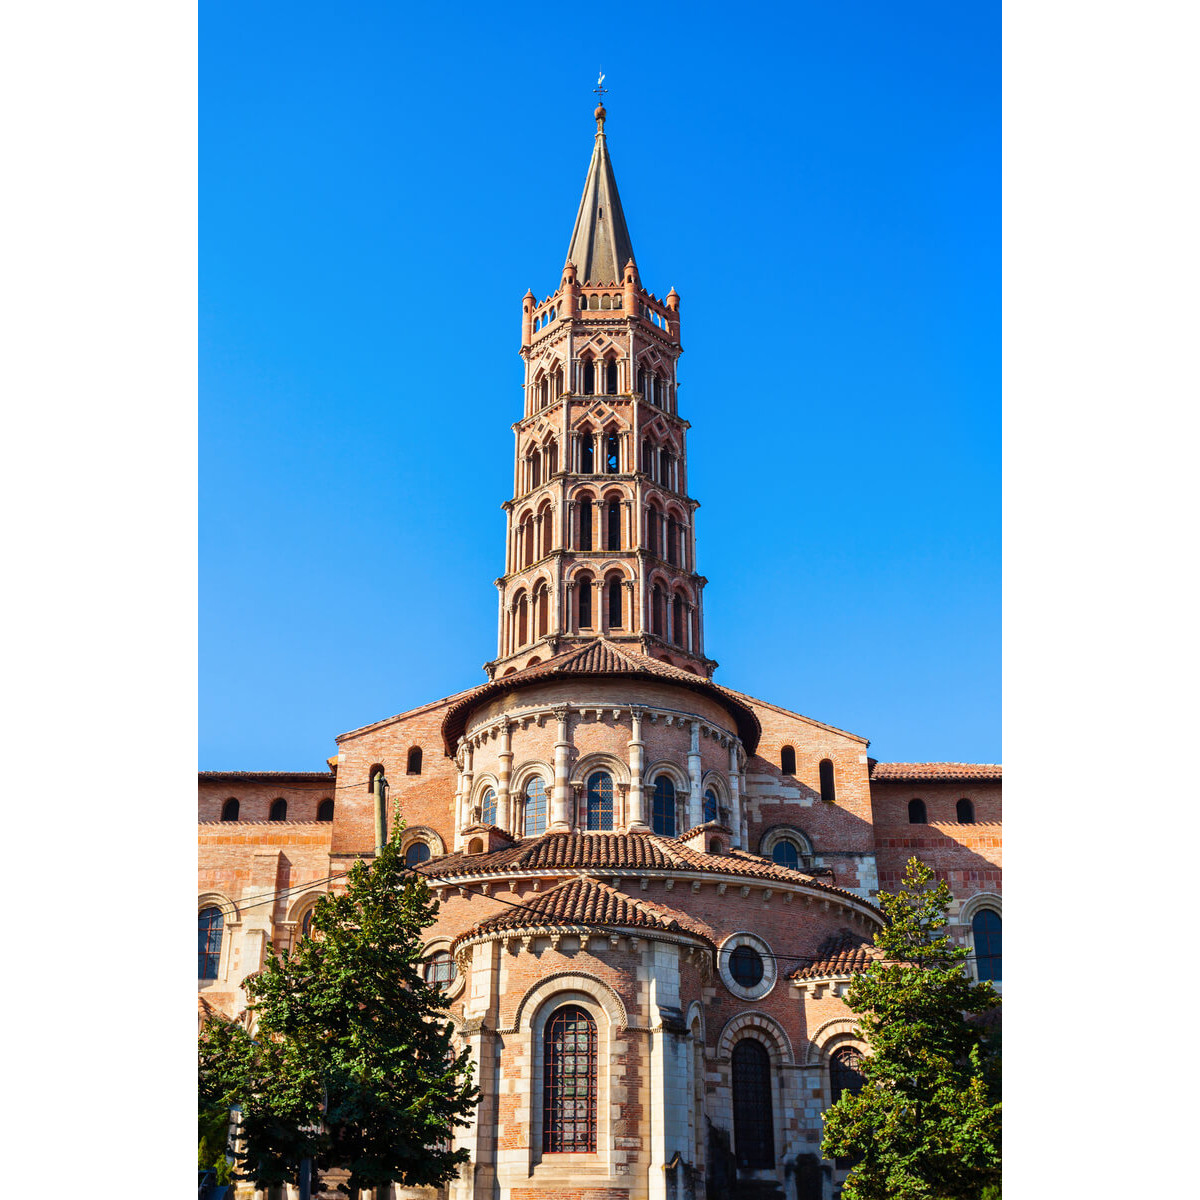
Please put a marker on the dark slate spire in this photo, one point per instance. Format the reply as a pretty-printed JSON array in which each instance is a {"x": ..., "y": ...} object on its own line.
[{"x": 600, "y": 245}]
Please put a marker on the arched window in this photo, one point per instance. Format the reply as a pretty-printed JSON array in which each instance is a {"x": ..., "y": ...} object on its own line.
[
  {"x": 230, "y": 809},
  {"x": 306, "y": 922},
  {"x": 985, "y": 932},
  {"x": 542, "y": 606},
  {"x": 828, "y": 794},
  {"x": 845, "y": 1072},
  {"x": 585, "y": 601},
  {"x": 278, "y": 810},
  {"x": 787, "y": 853},
  {"x": 916, "y": 812},
  {"x": 589, "y": 378},
  {"x": 672, "y": 541},
  {"x": 614, "y": 603},
  {"x": 610, "y": 377},
  {"x": 325, "y": 810},
  {"x": 612, "y": 524},
  {"x": 656, "y": 609},
  {"x": 535, "y": 806},
  {"x": 441, "y": 969},
  {"x": 641, "y": 380},
  {"x": 522, "y": 620},
  {"x": 417, "y": 853},
  {"x": 547, "y": 529},
  {"x": 527, "y": 542},
  {"x": 600, "y": 801},
  {"x": 678, "y": 631},
  {"x": 787, "y": 760},
  {"x": 585, "y": 523},
  {"x": 535, "y": 469},
  {"x": 712, "y": 810},
  {"x": 569, "y": 1082},
  {"x": 966, "y": 812},
  {"x": 587, "y": 453},
  {"x": 612, "y": 453},
  {"x": 664, "y": 467},
  {"x": 414, "y": 761},
  {"x": 753, "y": 1120},
  {"x": 664, "y": 806},
  {"x": 212, "y": 924},
  {"x": 487, "y": 811}
]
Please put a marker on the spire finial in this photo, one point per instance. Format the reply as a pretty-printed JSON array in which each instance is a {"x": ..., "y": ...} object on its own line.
[{"x": 601, "y": 91}]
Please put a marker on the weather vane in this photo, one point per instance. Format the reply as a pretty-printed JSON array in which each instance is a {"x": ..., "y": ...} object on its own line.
[{"x": 600, "y": 90}]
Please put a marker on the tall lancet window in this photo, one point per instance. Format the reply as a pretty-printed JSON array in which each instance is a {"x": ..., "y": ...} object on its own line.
[
  {"x": 584, "y": 584},
  {"x": 664, "y": 467},
  {"x": 585, "y": 523},
  {"x": 612, "y": 524},
  {"x": 587, "y": 453},
  {"x": 589, "y": 378},
  {"x": 610, "y": 377},
  {"x": 672, "y": 541},
  {"x": 612, "y": 453},
  {"x": 653, "y": 521},
  {"x": 656, "y": 610},
  {"x": 614, "y": 603},
  {"x": 600, "y": 801},
  {"x": 678, "y": 631},
  {"x": 664, "y": 807}
]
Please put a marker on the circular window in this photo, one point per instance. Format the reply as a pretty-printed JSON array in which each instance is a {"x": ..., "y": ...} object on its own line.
[{"x": 746, "y": 966}]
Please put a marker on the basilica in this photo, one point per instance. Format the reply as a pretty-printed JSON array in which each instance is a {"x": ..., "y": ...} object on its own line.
[{"x": 655, "y": 888}]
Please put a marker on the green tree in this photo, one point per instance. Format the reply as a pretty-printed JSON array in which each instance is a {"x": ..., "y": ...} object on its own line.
[
  {"x": 925, "y": 1125},
  {"x": 351, "y": 1063}
]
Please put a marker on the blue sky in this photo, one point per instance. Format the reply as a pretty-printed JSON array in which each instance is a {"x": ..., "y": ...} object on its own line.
[{"x": 379, "y": 186}]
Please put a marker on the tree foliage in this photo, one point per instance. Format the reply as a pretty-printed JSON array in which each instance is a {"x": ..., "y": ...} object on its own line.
[
  {"x": 926, "y": 1123},
  {"x": 350, "y": 1063}
]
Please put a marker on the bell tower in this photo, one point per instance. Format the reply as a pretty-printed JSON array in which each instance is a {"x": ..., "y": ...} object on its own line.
[{"x": 601, "y": 530}]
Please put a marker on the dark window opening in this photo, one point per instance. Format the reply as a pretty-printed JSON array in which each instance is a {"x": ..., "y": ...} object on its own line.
[
  {"x": 569, "y": 1082},
  {"x": 985, "y": 931},
  {"x": 278, "y": 810},
  {"x": 587, "y": 454},
  {"x": 614, "y": 604},
  {"x": 664, "y": 467},
  {"x": 613, "y": 525},
  {"x": 230, "y": 809},
  {"x": 612, "y": 453},
  {"x": 585, "y": 602},
  {"x": 600, "y": 801},
  {"x": 325, "y": 810},
  {"x": 212, "y": 923},
  {"x": 414, "y": 761},
  {"x": 610, "y": 378},
  {"x": 711, "y": 808},
  {"x": 828, "y": 794},
  {"x": 677, "y": 628},
  {"x": 656, "y": 610},
  {"x": 653, "y": 517},
  {"x": 672, "y": 541},
  {"x": 585, "y": 524},
  {"x": 966, "y": 812},
  {"x": 916, "y": 812},
  {"x": 416, "y": 854},
  {"x": 664, "y": 806},
  {"x": 787, "y": 760},
  {"x": 753, "y": 1119},
  {"x": 589, "y": 378},
  {"x": 746, "y": 966}
]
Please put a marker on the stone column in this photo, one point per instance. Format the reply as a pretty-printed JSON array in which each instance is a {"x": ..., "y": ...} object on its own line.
[
  {"x": 468, "y": 779},
  {"x": 568, "y": 625},
  {"x": 627, "y": 615},
  {"x": 637, "y": 795},
  {"x": 695, "y": 800},
  {"x": 562, "y": 748},
  {"x": 735, "y": 797},
  {"x": 503, "y": 804}
]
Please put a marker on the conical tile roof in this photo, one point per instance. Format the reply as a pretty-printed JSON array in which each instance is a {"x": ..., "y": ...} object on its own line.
[{"x": 600, "y": 245}]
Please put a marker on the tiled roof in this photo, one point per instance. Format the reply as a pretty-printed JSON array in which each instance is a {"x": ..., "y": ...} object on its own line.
[
  {"x": 582, "y": 902},
  {"x": 276, "y": 776},
  {"x": 935, "y": 770},
  {"x": 602, "y": 657},
  {"x": 552, "y": 852},
  {"x": 843, "y": 953}
]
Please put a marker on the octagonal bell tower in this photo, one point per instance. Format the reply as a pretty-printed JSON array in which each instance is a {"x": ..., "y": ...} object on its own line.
[{"x": 601, "y": 529}]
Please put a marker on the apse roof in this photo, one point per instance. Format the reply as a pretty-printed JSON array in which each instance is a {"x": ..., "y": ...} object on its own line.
[
  {"x": 843, "y": 953},
  {"x": 600, "y": 244},
  {"x": 602, "y": 657},
  {"x": 583, "y": 902}
]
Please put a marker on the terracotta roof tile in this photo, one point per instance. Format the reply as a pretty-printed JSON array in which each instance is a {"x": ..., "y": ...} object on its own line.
[
  {"x": 935, "y": 770},
  {"x": 279, "y": 776},
  {"x": 602, "y": 657},
  {"x": 582, "y": 902},
  {"x": 843, "y": 953}
]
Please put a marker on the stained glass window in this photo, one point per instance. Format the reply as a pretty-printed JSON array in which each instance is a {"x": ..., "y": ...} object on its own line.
[
  {"x": 569, "y": 1083},
  {"x": 536, "y": 802},
  {"x": 753, "y": 1120},
  {"x": 664, "y": 806},
  {"x": 212, "y": 924},
  {"x": 488, "y": 809},
  {"x": 600, "y": 801}
]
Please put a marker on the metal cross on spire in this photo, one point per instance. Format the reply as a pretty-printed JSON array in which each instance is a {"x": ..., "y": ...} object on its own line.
[{"x": 600, "y": 90}]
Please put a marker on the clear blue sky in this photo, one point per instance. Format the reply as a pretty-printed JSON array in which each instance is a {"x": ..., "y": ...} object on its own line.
[{"x": 380, "y": 183}]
